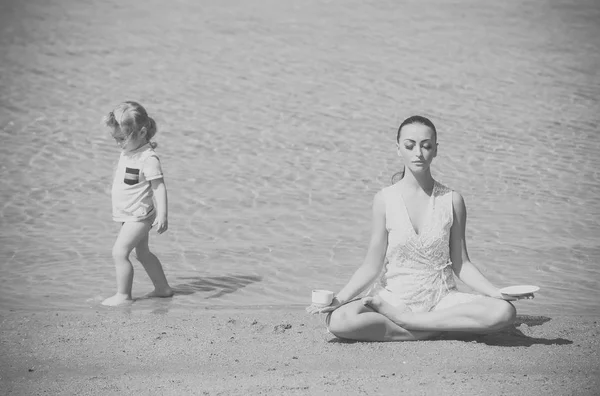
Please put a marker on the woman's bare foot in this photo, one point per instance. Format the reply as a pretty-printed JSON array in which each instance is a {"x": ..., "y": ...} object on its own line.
[
  {"x": 161, "y": 293},
  {"x": 117, "y": 299},
  {"x": 395, "y": 314}
]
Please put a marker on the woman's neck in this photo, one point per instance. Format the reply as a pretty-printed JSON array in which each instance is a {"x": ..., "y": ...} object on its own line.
[{"x": 422, "y": 180}]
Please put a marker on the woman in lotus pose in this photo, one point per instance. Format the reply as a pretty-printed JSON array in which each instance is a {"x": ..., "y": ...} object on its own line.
[{"x": 418, "y": 232}]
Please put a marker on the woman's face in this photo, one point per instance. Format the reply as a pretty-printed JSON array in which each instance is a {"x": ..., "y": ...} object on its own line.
[{"x": 417, "y": 147}]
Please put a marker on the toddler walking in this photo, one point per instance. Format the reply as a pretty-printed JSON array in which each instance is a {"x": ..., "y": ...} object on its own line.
[{"x": 139, "y": 199}]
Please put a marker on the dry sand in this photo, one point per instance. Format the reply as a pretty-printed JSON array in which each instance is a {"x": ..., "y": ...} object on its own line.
[{"x": 283, "y": 351}]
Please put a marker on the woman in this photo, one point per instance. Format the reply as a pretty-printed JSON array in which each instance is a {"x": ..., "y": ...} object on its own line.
[{"x": 419, "y": 233}]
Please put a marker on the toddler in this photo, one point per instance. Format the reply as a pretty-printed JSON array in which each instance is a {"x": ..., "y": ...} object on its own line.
[{"x": 139, "y": 199}]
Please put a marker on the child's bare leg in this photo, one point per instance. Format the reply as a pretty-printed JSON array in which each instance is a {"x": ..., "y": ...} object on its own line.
[
  {"x": 154, "y": 269},
  {"x": 129, "y": 236}
]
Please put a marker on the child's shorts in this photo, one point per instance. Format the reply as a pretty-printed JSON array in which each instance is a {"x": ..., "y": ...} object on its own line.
[{"x": 148, "y": 219}]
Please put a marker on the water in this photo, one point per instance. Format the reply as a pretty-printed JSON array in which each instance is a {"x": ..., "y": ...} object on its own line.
[{"x": 276, "y": 128}]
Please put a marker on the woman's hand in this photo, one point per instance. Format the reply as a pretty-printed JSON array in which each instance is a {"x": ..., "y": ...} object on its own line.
[
  {"x": 507, "y": 297},
  {"x": 314, "y": 309},
  {"x": 528, "y": 296}
]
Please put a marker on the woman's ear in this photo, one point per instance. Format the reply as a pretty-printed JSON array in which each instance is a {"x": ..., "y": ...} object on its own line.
[
  {"x": 398, "y": 149},
  {"x": 436, "y": 150},
  {"x": 143, "y": 132}
]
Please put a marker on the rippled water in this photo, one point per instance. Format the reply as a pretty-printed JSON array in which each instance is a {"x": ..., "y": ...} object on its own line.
[{"x": 276, "y": 128}]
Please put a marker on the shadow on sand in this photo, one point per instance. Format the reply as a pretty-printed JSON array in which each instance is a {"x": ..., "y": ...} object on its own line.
[
  {"x": 512, "y": 336},
  {"x": 218, "y": 285},
  {"x": 516, "y": 335}
]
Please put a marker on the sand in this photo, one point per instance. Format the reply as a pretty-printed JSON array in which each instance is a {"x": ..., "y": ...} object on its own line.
[{"x": 284, "y": 351}]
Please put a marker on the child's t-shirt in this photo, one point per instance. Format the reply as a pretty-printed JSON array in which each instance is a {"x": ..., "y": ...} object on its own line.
[{"x": 132, "y": 197}]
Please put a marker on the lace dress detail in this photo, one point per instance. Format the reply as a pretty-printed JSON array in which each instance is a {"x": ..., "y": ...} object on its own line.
[{"x": 418, "y": 270}]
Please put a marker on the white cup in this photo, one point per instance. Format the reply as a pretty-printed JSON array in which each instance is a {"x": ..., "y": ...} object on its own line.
[{"x": 322, "y": 298}]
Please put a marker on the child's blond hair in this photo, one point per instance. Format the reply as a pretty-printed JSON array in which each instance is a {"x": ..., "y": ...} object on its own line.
[{"x": 130, "y": 117}]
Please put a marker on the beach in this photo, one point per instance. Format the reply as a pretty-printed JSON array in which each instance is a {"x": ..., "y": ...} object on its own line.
[
  {"x": 276, "y": 127},
  {"x": 274, "y": 351}
]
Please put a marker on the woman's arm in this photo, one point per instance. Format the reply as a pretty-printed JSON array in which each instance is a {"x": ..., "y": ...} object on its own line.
[
  {"x": 160, "y": 196},
  {"x": 461, "y": 264},
  {"x": 373, "y": 262}
]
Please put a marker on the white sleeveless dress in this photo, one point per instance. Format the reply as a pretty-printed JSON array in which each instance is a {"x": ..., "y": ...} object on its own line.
[{"x": 418, "y": 269}]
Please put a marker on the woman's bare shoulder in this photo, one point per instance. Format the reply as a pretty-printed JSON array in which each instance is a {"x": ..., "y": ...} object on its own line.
[{"x": 458, "y": 203}]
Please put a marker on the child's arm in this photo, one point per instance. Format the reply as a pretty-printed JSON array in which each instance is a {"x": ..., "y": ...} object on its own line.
[{"x": 160, "y": 196}]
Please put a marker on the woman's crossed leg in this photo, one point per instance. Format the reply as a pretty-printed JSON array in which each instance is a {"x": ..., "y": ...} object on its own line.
[
  {"x": 374, "y": 319},
  {"x": 356, "y": 321}
]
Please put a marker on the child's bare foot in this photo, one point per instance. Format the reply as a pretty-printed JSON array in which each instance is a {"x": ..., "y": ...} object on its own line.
[
  {"x": 395, "y": 314},
  {"x": 162, "y": 293},
  {"x": 117, "y": 299}
]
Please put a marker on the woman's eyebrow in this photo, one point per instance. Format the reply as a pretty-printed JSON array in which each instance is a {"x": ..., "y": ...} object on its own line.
[{"x": 414, "y": 141}]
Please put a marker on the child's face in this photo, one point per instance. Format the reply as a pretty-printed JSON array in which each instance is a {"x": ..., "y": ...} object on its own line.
[{"x": 128, "y": 143}]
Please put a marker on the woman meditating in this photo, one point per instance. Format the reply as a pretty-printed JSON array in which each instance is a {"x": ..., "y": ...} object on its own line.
[{"x": 418, "y": 232}]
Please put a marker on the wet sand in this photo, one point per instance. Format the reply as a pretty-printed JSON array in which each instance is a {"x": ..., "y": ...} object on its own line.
[{"x": 281, "y": 351}]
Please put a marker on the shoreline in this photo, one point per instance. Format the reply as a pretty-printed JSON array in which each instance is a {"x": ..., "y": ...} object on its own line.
[
  {"x": 165, "y": 306},
  {"x": 281, "y": 351}
]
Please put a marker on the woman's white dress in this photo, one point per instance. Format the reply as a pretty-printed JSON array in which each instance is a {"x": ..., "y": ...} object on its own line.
[{"x": 418, "y": 269}]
